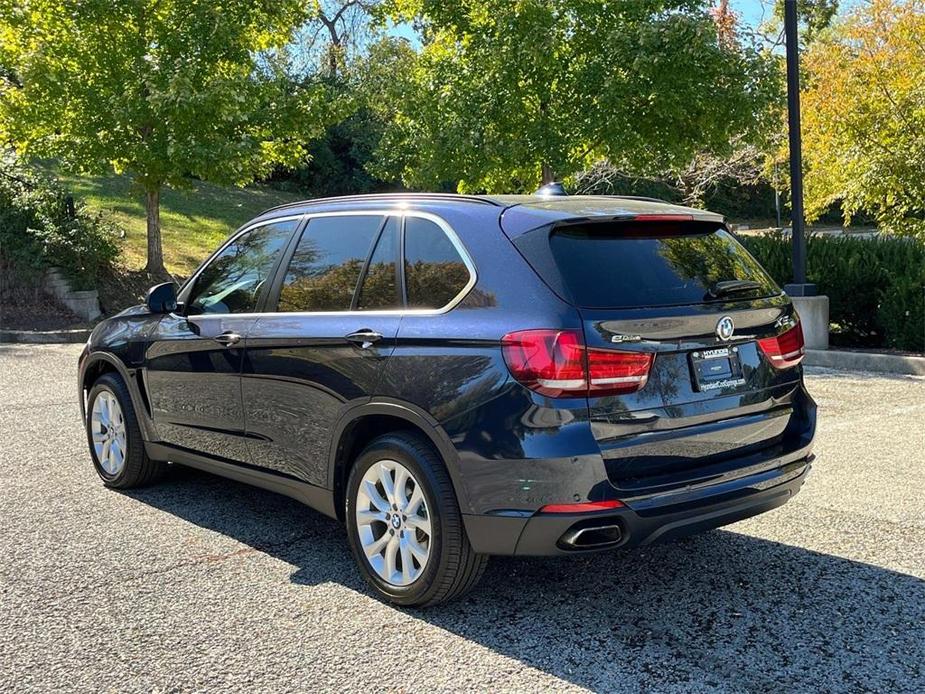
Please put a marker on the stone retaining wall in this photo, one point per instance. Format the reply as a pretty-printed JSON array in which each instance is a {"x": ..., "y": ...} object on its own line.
[{"x": 84, "y": 304}]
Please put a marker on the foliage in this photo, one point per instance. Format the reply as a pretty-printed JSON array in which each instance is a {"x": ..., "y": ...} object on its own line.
[
  {"x": 814, "y": 16},
  {"x": 40, "y": 227},
  {"x": 196, "y": 218},
  {"x": 337, "y": 162},
  {"x": 340, "y": 41},
  {"x": 506, "y": 94},
  {"x": 731, "y": 185},
  {"x": 603, "y": 178},
  {"x": 319, "y": 288},
  {"x": 427, "y": 280},
  {"x": 864, "y": 116},
  {"x": 740, "y": 201},
  {"x": 708, "y": 258},
  {"x": 876, "y": 286},
  {"x": 160, "y": 89}
]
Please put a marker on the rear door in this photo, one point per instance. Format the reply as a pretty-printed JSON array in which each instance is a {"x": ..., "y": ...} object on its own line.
[
  {"x": 194, "y": 357},
  {"x": 688, "y": 293},
  {"x": 337, "y": 312}
]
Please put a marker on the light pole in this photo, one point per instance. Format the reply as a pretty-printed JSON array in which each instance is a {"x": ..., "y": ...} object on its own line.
[
  {"x": 799, "y": 286},
  {"x": 813, "y": 309}
]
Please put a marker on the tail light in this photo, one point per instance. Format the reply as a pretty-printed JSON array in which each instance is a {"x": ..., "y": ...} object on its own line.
[
  {"x": 614, "y": 372},
  {"x": 784, "y": 350},
  {"x": 556, "y": 363}
]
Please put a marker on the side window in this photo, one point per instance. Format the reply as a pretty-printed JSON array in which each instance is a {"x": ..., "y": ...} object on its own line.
[
  {"x": 380, "y": 288},
  {"x": 434, "y": 270},
  {"x": 326, "y": 265},
  {"x": 233, "y": 280}
]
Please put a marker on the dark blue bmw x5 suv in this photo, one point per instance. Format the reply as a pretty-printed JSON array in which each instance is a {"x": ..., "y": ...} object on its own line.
[{"x": 455, "y": 377}]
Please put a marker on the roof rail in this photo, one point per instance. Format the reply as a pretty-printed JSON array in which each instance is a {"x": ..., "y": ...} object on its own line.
[{"x": 389, "y": 196}]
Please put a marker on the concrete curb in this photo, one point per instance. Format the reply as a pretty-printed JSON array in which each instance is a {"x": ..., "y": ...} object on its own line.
[
  {"x": 44, "y": 337},
  {"x": 866, "y": 361}
]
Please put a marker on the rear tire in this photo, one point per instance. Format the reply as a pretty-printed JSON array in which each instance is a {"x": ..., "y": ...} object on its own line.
[
  {"x": 426, "y": 517},
  {"x": 116, "y": 444}
]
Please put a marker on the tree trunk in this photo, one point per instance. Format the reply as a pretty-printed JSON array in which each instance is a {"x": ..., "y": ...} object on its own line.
[
  {"x": 332, "y": 62},
  {"x": 334, "y": 48},
  {"x": 155, "y": 264},
  {"x": 548, "y": 175}
]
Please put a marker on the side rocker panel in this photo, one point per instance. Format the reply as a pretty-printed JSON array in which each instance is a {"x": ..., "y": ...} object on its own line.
[{"x": 321, "y": 500}]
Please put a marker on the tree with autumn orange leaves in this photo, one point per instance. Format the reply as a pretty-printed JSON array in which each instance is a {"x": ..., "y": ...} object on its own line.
[{"x": 864, "y": 116}]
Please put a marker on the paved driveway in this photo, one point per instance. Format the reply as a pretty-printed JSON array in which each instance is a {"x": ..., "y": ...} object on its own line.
[{"x": 201, "y": 583}]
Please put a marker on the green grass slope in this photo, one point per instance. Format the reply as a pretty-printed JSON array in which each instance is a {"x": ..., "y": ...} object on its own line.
[{"x": 193, "y": 222}]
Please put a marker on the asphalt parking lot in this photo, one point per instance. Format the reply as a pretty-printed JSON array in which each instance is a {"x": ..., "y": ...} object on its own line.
[{"x": 202, "y": 583}]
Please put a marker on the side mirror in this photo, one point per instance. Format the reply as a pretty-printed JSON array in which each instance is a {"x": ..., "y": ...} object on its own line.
[{"x": 162, "y": 298}]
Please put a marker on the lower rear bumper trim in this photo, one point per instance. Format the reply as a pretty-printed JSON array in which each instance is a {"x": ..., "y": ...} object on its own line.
[{"x": 541, "y": 534}]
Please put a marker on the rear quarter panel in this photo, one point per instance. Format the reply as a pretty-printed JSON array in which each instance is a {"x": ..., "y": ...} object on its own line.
[{"x": 512, "y": 445}]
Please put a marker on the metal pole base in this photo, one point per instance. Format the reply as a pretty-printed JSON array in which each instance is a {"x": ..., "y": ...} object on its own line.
[
  {"x": 814, "y": 317},
  {"x": 805, "y": 289}
]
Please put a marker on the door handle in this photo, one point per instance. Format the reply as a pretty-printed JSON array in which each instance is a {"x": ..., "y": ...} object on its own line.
[
  {"x": 228, "y": 339},
  {"x": 364, "y": 338}
]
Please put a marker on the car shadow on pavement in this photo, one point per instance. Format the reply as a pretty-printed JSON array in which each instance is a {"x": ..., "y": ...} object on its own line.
[{"x": 718, "y": 611}]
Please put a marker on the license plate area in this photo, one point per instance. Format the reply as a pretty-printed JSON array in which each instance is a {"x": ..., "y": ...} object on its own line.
[{"x": 716, "y": 368}]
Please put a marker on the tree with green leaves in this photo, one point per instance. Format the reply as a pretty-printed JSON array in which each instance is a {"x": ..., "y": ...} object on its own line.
[
  {"x": 814, "y": 16},
  {"x": 160, "y": 89},
  {"x": 356, "y": 67},
  {"x": 504, "y": 95}
]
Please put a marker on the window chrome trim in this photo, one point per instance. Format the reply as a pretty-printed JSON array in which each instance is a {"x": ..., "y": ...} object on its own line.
[{"x": 393, "y": 212}]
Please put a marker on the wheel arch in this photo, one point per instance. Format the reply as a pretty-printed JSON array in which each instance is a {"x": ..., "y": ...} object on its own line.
[
  {"x": 361, "y": 424},
  {"x": 98, "y": 364}
]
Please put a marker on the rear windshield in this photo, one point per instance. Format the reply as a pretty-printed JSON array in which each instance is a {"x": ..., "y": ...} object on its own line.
[{"x": 626, "y": 264}]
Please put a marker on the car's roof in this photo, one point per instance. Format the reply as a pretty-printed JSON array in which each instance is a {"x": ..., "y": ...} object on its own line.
[
  {"x": 382, "y": 200},
  {"x": 530, "y": 210}
]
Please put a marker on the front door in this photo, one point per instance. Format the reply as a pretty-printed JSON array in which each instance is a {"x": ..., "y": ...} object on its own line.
[
  {"x": 194, "y": 356},
  {"x": 323, "y": 348}
]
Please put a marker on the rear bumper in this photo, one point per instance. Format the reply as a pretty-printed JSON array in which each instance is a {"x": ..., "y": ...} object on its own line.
[{"x": 544, "y": 534}]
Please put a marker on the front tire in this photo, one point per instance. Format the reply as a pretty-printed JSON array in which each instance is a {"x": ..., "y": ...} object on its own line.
[
  {"x": 405, "y": 526},
  {"x": 116, "y": 445}
]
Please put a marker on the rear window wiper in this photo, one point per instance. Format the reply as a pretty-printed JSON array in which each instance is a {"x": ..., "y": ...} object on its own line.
[{"x": 727, "y": 287}]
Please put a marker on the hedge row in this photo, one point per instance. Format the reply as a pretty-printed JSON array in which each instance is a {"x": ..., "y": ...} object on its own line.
[
  {"x": 876, "y": 286},
  {"x": 41, "y": 227}
]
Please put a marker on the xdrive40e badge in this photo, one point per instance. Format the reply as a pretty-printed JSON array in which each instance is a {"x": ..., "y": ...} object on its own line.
[{"x": 725, "y": 328}]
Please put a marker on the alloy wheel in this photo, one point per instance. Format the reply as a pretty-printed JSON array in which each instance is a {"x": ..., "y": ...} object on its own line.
[
  {"x": 108, "y": 432},
  {"x": 393, "y": 522}
]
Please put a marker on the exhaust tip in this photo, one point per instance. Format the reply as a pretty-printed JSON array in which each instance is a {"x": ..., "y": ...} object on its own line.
[{"x": 592, "y": 536}]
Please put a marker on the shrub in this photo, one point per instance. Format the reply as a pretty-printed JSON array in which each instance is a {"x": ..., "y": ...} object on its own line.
[
  {"x": 876, "y": 286},
  {"x": 41, "y": 227}
]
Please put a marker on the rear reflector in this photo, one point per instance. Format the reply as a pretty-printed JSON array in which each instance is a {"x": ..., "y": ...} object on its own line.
[
  {"x": 556, "y": 363},
  {"x": 784, "y": 350},
  {"x": 586, "y": 507}
]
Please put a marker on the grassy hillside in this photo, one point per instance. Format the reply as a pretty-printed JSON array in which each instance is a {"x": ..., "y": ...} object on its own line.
[{"x": 193, "y": 222}]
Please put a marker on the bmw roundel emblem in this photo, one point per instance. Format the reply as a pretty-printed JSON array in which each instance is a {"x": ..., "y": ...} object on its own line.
[{"x": 725, "y": 328}]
